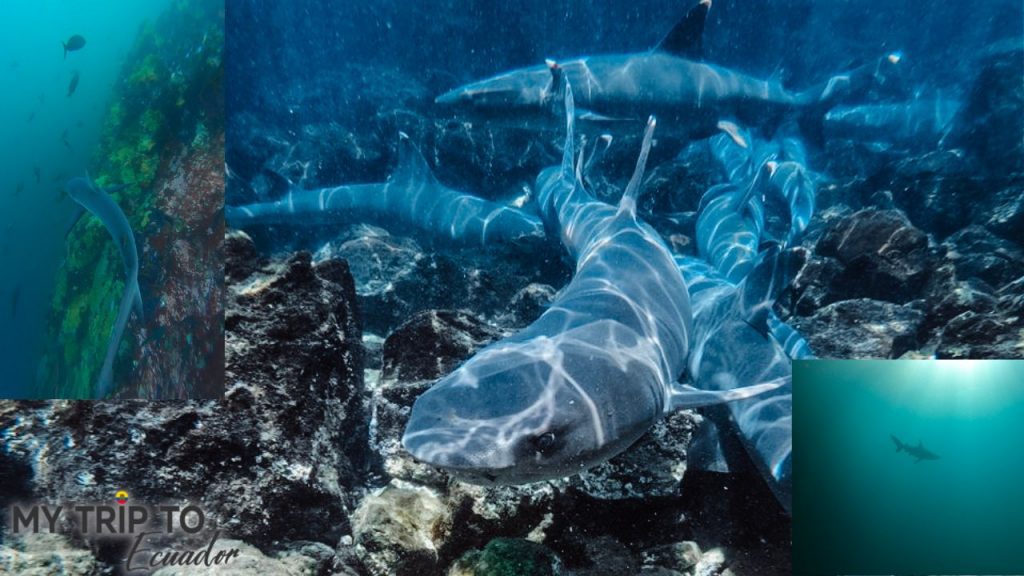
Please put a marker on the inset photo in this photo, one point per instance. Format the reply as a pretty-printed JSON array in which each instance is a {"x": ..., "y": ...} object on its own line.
[
  {"x": 908, "y": 467},
  {"x": 111, "y": 200}
]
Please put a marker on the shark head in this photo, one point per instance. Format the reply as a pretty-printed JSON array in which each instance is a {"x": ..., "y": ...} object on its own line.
[
  {"x": 516, "y": 413},
  {"x": 510, "y": 93},
  {"x": 81, "y": 190}
]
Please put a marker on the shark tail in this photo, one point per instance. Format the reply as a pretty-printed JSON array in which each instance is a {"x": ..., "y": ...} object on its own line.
[
  {"x": 130, "y": 299},
  {"x": 851, "y": 85}
]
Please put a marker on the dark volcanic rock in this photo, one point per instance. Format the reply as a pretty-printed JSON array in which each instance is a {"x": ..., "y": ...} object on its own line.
[
  {"x": 861, "y": 328},
  {"x": 240, "y": 256},
  {"x": 529, "y": 303},
  {"x": 883, "y": 255},
  {"x": 936, "y": 190},
  {"x": 1006, "y": 217},
  {"x": 977, "y": 253},
  {"x": 432, "y": 343},
  {"x": 991, "y": 123},
  {"x": 979, "y": 335}
]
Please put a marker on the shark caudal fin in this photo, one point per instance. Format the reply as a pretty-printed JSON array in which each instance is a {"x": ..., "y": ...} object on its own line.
[
  {"x": 686, "y": 39},
  {"x": 412, "y": 167},
  {"x": 627, "y": 205}
]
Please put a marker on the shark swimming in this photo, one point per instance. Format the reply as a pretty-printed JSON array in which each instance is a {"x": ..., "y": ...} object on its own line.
[
  {"x": 918, "y": 452},
  {"x": 690, "y": 97},
  {"x": 97, "y": 201},
  {"x": 595, "y": 371},
  {"x": 411, "y": 198}
]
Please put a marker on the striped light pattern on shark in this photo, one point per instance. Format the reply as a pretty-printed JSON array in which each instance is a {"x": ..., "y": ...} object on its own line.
[
  {"x": 411, "y": 199},
  {"x": 94, "y": 199},
  {"x": 594, "y": 372}
]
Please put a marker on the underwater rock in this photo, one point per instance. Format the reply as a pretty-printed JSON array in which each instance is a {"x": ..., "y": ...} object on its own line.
[
  {"x": 376, "y": 259},
  {"x": 977, "y": 253},
  {"x": 397, "y": 530},
  {"x": 490, "y": 161},
  {"x": 861, "y": 328},
  {"x": 1006, "y": 218},
  {"x": 936, "y": 190},
  {"x": 595, "y": 555},
  {"x": 883, "y": 256},
  {"x": 652, "y": 468},
  {"x": 240, "y": 256},
  {"x": 43, "y": 554},
  {"x": 983, "y": 335},
  {"x": 991, "y": 123},
  {"x": 506, "y": 557},
  {"x": 434, "y": 281},
  {"x": 433, "y": 343},
  {"x": 529, "y": 303},
  {"x": 676, "y": 556}
]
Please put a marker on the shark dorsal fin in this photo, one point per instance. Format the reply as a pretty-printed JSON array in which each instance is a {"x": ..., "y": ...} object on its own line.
[
  {"x": 628, "y": 203},
  {"x": 569, "y": 152},
  {"x": 686, "y": 37},
  {"x": 412, "y": 166}
]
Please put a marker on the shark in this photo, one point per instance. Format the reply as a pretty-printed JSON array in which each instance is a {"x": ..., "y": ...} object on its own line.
[
  {"x": 411, "y": 198},
  {"x": 920, "y": 123},
  {"x": 98, "y": 202},
  {"x": 690, "y": 97},
  {"x": 918, "y": 452},
  {"x": 738, "y": 342},
  {"x": 595, "y": 371}
]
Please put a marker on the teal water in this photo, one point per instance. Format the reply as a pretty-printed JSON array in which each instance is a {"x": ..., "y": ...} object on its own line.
[
  {"x": 862, "y": 507},
  {"x": 35, "y": 111}
]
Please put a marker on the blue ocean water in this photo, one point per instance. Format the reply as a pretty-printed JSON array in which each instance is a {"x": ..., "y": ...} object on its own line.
[
  {"x": 865, "y": 507},
  {"x": 49, "y": 137}
]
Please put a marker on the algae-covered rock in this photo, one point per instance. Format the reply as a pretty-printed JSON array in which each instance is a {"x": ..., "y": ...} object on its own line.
[
  {"x": 398, "y": 529},
  {"x": 507, "y": 557}
]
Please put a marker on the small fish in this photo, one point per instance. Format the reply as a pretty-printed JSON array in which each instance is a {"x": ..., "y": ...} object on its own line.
[
  {"x": 32, "y": 116},
  {"x": 42, "y": 98},
  {"x": 38, "y": 172},
  {"x": 74, "y": 43},
  {"x": 73, "y": 85},
  {"x": 21, "y": 186},
  {"x": 64, "y": 139}
]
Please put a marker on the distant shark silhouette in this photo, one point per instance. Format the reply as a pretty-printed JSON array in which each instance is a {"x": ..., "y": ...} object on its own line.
[{"x": 919, "y": 452}]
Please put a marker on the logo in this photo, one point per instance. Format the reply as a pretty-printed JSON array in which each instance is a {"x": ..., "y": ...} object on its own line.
[{"x": 139, "y": 524}]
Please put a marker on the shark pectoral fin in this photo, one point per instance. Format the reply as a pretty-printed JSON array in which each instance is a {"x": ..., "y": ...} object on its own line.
[
  {"x": 686, "y": 37},
  {"x": 412, "y": 167},
  {"x": 72, "y": 220},
  {"x": 685, "y": 397}
]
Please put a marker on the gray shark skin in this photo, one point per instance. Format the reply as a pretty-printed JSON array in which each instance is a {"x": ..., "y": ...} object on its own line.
[
  {"x": 689, "y": 97},
  {"x": 916, "y": 124},
  {"x": 735, "y": 347},
  {"x": 96, "y": 201},
  {"x": 411, "y": 197},
  {"x": 918, "y": 452},
  {"x": 593, "y": 373}
]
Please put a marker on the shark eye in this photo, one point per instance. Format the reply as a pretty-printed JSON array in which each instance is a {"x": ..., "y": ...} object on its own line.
[{"x": 544, "y": 443}]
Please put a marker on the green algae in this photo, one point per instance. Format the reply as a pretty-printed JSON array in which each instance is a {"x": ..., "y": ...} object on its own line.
[
  {"x": 151, "y": 115},
  {"x": 507, "y": 557}
]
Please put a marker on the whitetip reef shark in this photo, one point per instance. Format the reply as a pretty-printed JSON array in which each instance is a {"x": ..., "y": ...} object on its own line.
[
  {"x": 595, "y": 371},
  {"x": 411, "y": 198},
  {"x": 689, "y": 97},
  {"x": 97, "y": 201},
  {"x": 918, "y": 452}
]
